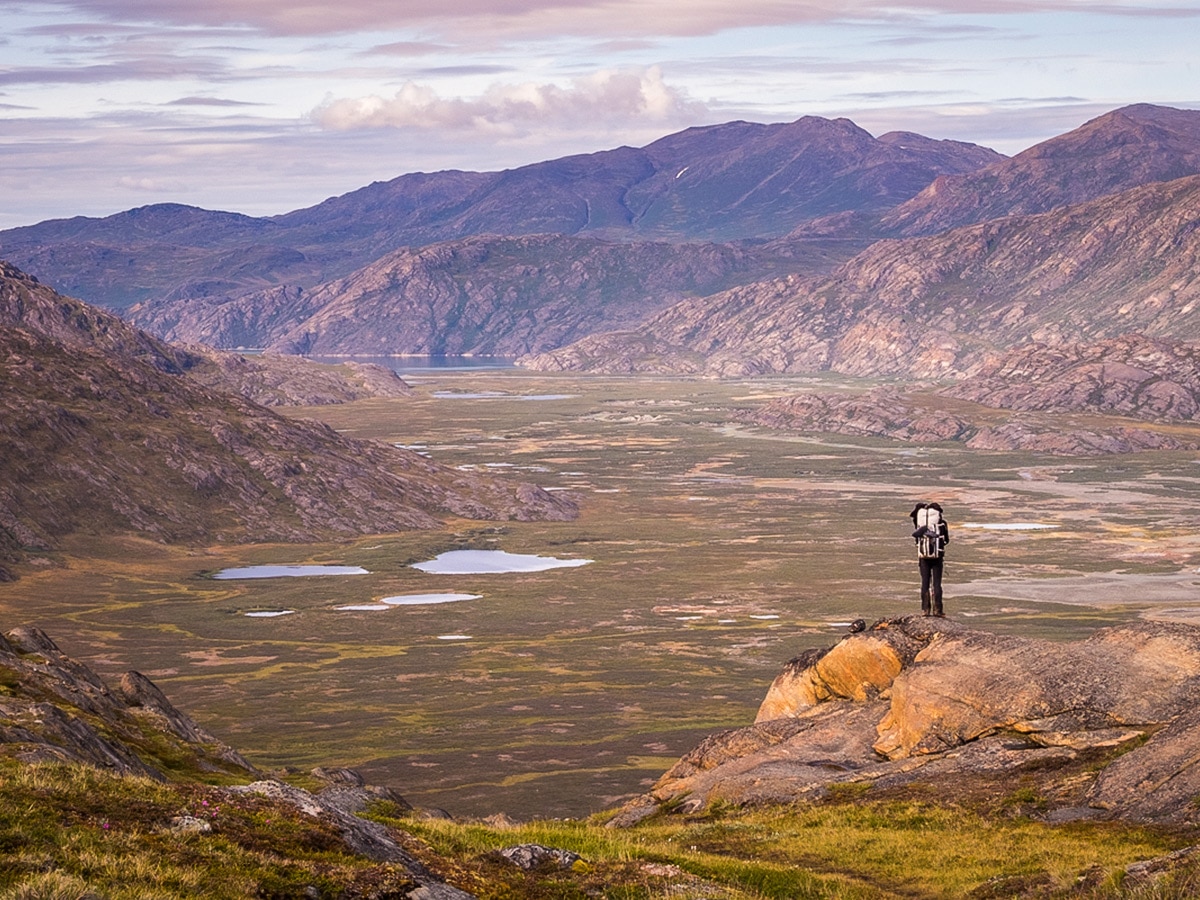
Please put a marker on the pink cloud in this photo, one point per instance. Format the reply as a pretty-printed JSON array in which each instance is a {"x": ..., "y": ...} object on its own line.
[
  {"x": 610, "y": 96},
  {"x": 600, "y": 18}
]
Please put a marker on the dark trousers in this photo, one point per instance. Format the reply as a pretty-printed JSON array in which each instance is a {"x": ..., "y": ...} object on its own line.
[{"x": 931, "y": 586}]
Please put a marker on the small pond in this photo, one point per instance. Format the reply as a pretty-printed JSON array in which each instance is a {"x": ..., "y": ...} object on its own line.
[
  {"x": 425, "y": 599},
  {"x": 497, "y": 395},
  {"x": 1007, "y": 526}
]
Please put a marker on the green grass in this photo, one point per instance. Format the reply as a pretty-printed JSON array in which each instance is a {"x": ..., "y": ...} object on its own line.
[
  {"x": 843, "y": 850},
  {"x": 74, "y": 832}
]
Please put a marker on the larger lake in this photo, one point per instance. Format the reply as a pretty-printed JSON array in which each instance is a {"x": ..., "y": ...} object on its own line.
[{"x": 492, "y": 562}]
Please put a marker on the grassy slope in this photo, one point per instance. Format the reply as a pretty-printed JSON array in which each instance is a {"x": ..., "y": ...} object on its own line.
[{"x": 68, "y": 830}]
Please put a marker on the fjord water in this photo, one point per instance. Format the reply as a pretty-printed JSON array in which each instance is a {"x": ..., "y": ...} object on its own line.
[{"x": 717, "y": 555}]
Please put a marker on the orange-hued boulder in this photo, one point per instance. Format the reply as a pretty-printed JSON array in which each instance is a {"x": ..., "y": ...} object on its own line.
[{"x": 928, "y": 701}]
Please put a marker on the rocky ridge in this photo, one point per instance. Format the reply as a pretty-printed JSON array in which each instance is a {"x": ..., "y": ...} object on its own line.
[
  {"x": 1100, "y": 725},
  {"x": 277, "y": 380},
  {"x": 1039, "y": 398},
  {"x": 1120, "y": 150},
  {"x": 488, "y": 295},
  {"x": 55, "y": 709},
  {"x": 942, "y": 306}
]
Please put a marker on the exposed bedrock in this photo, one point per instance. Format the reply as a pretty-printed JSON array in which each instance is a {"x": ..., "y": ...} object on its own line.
[{"x": 1108, "y": 724}]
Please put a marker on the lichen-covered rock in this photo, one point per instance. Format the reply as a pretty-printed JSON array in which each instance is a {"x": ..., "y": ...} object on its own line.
[
  {"x": 859, "y": 668},
  {"x": 533, "y": 856},
  {"x": 963, "y": 686},
  {"x": 363, "y": 836}
]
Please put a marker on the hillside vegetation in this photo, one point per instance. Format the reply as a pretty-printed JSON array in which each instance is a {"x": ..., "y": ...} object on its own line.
[{"x": 181, "y": 827}]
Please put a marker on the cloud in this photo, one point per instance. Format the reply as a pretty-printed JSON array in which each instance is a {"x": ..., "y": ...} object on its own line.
[
  {"x": 609, "y": 96},
  {"x": 595, "y": 18},
  {"x": 209, "y": 101},
  {"x": 408, "y": 49},
  {"x": 149, "y": 185}
]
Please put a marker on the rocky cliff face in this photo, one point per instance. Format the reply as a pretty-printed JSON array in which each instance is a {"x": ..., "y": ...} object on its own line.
[
  {"x": 1131, "y": 375},
  {"x": 928, "y": 701},
  {"x": 1032, "y": 399},
  {"x": 941, "y": 307},
  {"x": 485, "y": 296},
  {"x": 102, "y": 430}
]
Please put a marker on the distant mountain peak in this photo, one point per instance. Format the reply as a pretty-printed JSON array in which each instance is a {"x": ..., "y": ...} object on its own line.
[{"x": 1119, "y": 150}]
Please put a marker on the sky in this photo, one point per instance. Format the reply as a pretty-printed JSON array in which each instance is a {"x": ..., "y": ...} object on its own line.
[{"x": 265, "y": 106}]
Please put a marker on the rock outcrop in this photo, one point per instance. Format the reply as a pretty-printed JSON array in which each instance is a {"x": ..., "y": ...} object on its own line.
[
  {"x": 55, "y": 708},
  {"x": 1129, "y": 375},
  {"x": 275, "y": 380},
  {"x": 929, "y": 701}
]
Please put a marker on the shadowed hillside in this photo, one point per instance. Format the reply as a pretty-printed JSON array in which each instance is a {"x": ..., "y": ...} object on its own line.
[
  {"x": 102, "y": 430},
  {"x": 491, "y": 296}
]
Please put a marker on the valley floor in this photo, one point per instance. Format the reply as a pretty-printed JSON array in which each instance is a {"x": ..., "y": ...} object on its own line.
[{"x": 719, "y": 551}]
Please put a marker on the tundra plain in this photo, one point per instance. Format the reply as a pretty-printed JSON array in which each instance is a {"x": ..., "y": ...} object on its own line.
[{"x": 719, "y": 551}]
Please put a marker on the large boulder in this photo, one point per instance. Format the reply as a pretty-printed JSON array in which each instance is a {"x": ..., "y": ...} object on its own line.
[
  {"x": 927, "y": 700},
  {"x": 963, "y": 686}
]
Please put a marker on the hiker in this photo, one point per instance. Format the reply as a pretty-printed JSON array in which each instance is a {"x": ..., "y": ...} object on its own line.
[{"x": 932, "y": 535}]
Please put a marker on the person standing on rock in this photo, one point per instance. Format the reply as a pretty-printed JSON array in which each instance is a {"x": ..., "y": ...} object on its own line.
[{"x": 932, "y": 534}]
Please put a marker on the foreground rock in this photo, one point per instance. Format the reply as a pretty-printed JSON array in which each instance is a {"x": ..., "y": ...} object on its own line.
[
  {"x": 926, "y": 701},
  {"x": 53, "y": 708}
]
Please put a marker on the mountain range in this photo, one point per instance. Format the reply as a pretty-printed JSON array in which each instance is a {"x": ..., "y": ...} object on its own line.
[
  {"x": 726, "y": 250},
  {"x": 718, "y": 183},
  {"x": 734, "y": 182}
]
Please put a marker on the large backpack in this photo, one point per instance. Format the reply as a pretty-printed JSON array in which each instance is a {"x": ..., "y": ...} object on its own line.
[{"x": 929, "y": 544}]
